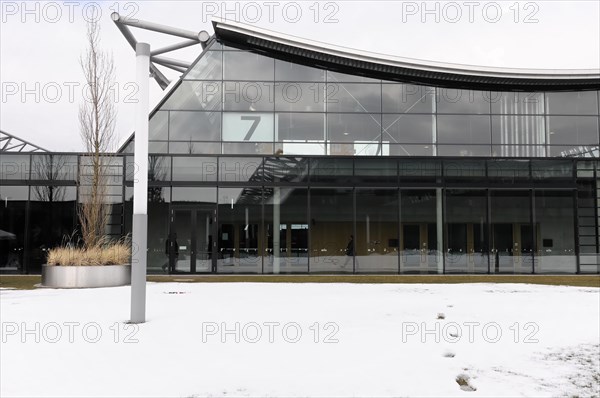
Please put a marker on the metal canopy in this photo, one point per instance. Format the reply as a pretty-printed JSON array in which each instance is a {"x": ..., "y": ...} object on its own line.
[
  {"x": 10, "y": 143},
  {"x": 192, "y": 38}
]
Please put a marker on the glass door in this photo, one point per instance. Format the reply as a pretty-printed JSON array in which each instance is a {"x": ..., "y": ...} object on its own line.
[{"x": 191, "y": 247}]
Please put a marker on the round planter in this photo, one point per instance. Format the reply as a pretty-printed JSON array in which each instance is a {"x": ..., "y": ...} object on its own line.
[{"x": 63, "y": 276}]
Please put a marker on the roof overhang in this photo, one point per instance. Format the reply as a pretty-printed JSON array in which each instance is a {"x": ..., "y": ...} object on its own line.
[{"x": 342, "y": 59}]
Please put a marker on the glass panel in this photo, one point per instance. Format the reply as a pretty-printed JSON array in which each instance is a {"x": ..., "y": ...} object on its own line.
[
  {"x": 421, "y": 234},
  {"x": 196, "y": 196},
  {"x": 249, "y": 96},
  {"x": 289, "y": 71},
  {"x": 12, "y": 221},
  {"x": 420, "y": 170},
  {"x": 376, "y": 242},
  {"x": 195, "y": 147},
  {"x": 300, "y": 127},
  {"x": 14, "y": 167},
  {"x": 451, "y": 100},
  {"x": 52, "y": 221},
  {"x": 555, "y": 237},
  {"x": 195, "y": 96},
  {"x": 331, "y": 170},
  {"x": 512, "y": 240},
  {"x": 300, "y": 97},
  {"x": 248, "y": 127},
  {"x": 158, "y": 228},
  {"x": 543, "y": 169},
  {"x": 247, "y": 148},
  {"x": 159, "y": 168},
  {"x": 576, "y": 103},
  {"x": 157, "y": 147},
  {"x": 242, "y": 65},
  {"x": 573, "y": 130},
  {"x": 208, "y": 67},
  {"x": 342, "y": 77},
  {"x": 194, "y": 169},
  {"x": 463, "y": 150},
  {"x": 159, "y": 126},
  {"x": 517, "y": 103},
  {"x": 179, "y": 242},
  {"x": 195, "y": 126},
  {"x": 526, "y": 151},
  {"x": 240, "y": 214},
  {"x": 464, "y": 168},
  {"x": 518, "y": 130},
  {"x": 285, "y": 169},
  {"x": 363, "y": 129},
  {"x": 376, "y": 171},
  {"x": 407, "y": 98},
  {"x": 54, "y": 167},
  {"x": 408, "y": 150},
  {"x": 331, "y": 236},
  {"x": 467, "y": 231},
  {"x": 463, "y": 129},
  {"x": 240, "y": 169},
  {"x": 508, "y": 170},
  {"x": 409, "y": 129},
  {"x": 286, "y": 230},
  {"x": 581, "y": 151},
  {"x": 358, "y": 98}
]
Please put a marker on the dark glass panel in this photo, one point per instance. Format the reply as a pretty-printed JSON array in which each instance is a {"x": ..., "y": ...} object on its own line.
[
  {"x": 580, "y": 151},
  {"x": 420, "y": 248},
  {"x": 208, "y": 67},
  {"x": 555, "y": 235},
  {"x": 196, "y": 196},
  {"x": 331, "y": 230},
  {"x": 14, "y": 166},
  {"x": 467, "y": 231},
  {"x": 517, "y": 103},
  {"x": 240, "y": 249},
  {"x": 508, "y": 170},
  {"x": 572, "y": 130},
  {"x": 408, "y": 149},
  {"x": 451, "y": 100},
  {"x": 331, "y": 170},
  {"x": 574, "y": 103},
  {"x": 52, "y": 221},
  {"x": 286, "y": 230},
  {"x": 301, "y": 133},
  {"x": 511, "y": 244},
  {"x": 249, "y": 96},
  {"x": 463, "y": 129},
  {"x": 300, "y": 97},
  {"x": 292, "y": 72},
  {"x": 420, "y": 170},
  {"x": 195, "y": 126},
  {"x": 159, "y": 126},
  {"x": 464, "y": 168},
  {"x": 376, "y": 242},
  {"x": 12, "y": 221},
  {"x": 285, "y": 169},
  {"x": 54, "y": 167},
  {"x": 242, "y": 65},
  {"x": 407, "y": 98},
  {"x": 240, "y": 169},
  {"x": 368, "y": 171},
  {"x": 159, "y": 168},
  {"x": 195, "y": 96},
  {"x": 196, "y": 169},
  {"x": 409, "y": 129},
  {"x": 357, "y": 98},
  {"x": 543, "y": 169}
]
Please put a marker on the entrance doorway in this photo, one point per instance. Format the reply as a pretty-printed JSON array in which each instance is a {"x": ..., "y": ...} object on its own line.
[{"x": 194, "y": 229}]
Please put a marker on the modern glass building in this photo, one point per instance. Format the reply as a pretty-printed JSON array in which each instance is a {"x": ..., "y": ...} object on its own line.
[{"x": 273, "y": 154}]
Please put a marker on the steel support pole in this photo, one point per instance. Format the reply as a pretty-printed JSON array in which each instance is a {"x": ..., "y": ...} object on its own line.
[{"x": 140, "y": 187}]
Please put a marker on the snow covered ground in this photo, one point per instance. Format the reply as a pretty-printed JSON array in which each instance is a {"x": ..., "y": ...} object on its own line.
[{"x": 280, "y": 340}]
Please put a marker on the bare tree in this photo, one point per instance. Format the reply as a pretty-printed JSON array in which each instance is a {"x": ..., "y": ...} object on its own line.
[{"x": 97, "y": 115}]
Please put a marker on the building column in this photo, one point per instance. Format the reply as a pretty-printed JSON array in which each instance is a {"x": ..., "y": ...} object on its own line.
[
  {"x": 439, "y": 230},
  {"x": 276, "y": 235}
]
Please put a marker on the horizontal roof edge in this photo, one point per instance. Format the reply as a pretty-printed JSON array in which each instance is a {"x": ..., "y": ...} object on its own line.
[{"x": 277, "y": 42}]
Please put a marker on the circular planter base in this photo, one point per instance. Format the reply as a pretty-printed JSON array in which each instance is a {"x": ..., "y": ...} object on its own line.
[{"x": 65, "y": 277}]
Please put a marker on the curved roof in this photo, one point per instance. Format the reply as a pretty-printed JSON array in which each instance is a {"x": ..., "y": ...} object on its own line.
[{"x": 313, "y": 53}]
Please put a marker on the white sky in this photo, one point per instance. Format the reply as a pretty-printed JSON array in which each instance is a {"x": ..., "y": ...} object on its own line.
[{"x": 41, "y": 42}]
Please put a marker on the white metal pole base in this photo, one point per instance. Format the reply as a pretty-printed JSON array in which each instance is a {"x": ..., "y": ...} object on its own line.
[{"x": 138, "y": 268}]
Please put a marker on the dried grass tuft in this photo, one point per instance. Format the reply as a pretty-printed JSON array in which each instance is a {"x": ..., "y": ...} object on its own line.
[{"x": 112, "y": 253}]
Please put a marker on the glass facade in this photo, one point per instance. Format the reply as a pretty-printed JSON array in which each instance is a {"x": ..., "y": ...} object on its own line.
[{"x": 259, "y": 165}]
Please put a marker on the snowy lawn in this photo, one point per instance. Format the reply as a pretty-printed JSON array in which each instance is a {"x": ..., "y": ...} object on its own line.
[{"x": 279, "y": 340}]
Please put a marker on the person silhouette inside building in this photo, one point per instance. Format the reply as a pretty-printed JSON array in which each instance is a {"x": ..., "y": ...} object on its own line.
[
  {"x": 349, "y": 252},
  {"x": 172, "y": 252}
]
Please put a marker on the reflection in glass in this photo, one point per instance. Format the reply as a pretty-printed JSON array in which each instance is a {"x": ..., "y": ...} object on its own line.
[
  {"x": 573, "y": 130},
  {"x": 159, "y": 126},
  {"x": 194, "y": 169},
  {"x": 243, "y": 65},
  {"x": 407, "y": 98},
  {"x": 376, "y": 243},
  {"x": 517, "y": 103},
  {"x": 12, "y": 217},
  {"x": 331, "y": 236},
  {"x": 239, "y": 246},
  {"x": 195, "y": 96},
  {"x": 208, "y": 67},
  {"x": 299, "y": 97},
  {"x": 519, "y": 135},
  {"x": 575, "y": 103},
  {"x": 463, "y": 129},
  {"x": 451, "y": 100},
  {"x": 286, "y": 230},
  {"x": 249, "y": 96},
  {"x": 409, "y": 129},
  {"x": 358, "y": 98},
  {"x": 291, "y": 72},
  {"x": 467, "y": 231},
  {"x": 195, "y": 126}
]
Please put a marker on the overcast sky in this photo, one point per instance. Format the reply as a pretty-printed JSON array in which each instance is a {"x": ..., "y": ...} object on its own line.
[{"x": 41, "y": 42}]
